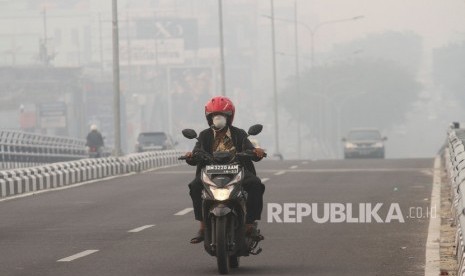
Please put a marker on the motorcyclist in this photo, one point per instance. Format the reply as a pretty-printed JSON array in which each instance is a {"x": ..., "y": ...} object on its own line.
[
  {"x": 95, "y": 139},
  {"x": 223, "y": 136}
]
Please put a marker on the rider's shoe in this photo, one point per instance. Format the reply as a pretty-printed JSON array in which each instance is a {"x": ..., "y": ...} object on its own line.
[{"x": 199, "y": 237}]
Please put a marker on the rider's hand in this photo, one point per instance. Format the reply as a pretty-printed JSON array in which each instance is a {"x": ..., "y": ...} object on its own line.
[
  {"x": 260, "y": 153},
  {"x": 189, "y": 155}
]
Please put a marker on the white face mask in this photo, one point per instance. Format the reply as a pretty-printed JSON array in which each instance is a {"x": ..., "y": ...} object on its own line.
[{"x": 219, "y": 121}]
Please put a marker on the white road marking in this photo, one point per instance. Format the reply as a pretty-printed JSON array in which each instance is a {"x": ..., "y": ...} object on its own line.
[
  {"x": 294, "y": 167},
  {"x": 417, "y": 187},
  {"x": 428, "y": 172},
  {"x": 280, "y": 173},
  {"x": 432, "y": 242},
  {"x": 264, "y": 180},
  {"x": 141, "y": 228},
  {"x": 77, "y": 256},
  {"x": 183, "y": 212}
]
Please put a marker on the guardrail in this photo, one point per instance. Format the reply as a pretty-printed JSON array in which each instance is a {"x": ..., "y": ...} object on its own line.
[
  {"x": 21, "y": 149},
  {"x": 454, "y": 157},
  {"x": 19, "y": 181}
]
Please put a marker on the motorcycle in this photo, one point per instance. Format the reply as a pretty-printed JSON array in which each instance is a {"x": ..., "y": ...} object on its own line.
[
  {"x": 224, "y": 205},
  {"x": 95, "y": 152}
]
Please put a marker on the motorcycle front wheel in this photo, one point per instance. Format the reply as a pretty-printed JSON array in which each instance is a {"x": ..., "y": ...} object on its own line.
[
  {"x": 222, "y": 252},
  {"x": 234, "y": 261}
]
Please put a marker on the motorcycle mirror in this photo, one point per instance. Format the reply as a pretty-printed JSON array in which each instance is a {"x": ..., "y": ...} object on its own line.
[
  {"x": 255, "y": 129},
  {"x": 189, "y": 133}
]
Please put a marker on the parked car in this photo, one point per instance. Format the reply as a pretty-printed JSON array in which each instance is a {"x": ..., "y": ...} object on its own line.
[
  {"x": 364, "y": 143},
  {"x": 151, "y": 141}
]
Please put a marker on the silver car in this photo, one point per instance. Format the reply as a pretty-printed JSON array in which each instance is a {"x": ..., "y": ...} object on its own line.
[
  {"x": 152, "y": 141},
  {"x": 364, "y": 143}
]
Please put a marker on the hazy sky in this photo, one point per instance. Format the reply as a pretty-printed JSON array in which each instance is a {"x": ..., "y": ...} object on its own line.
[{"x": 439, "y": 21}]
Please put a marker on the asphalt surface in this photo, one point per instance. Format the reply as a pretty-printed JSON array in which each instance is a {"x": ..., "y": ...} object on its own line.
[{"x": 38, "y": 231}]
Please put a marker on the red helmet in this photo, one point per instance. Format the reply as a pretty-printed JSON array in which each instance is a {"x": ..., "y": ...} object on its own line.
[{"x": 220, "y": 105}]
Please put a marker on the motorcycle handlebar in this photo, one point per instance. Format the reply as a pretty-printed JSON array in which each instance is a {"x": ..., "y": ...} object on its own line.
[{"x": 247, "y": 153}]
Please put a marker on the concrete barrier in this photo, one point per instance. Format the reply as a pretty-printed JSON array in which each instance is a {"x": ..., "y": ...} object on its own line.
[{"x": 19, "y": 181}]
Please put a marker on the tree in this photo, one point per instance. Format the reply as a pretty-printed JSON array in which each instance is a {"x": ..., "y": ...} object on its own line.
[
  {"x": 358, "y": 93},
  {"x": 403, "y": 48},
  {"x": 449, "y": 68}
]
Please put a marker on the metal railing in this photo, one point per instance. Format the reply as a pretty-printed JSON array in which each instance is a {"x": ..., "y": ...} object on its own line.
[
  {"x": 454, "y": 157},
  {"x": 21, "y": 149}
]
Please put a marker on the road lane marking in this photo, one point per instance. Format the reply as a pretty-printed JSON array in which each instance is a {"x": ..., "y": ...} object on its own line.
[
  {"x": 294, "y": 167},
  {"x": 280, "y": 173},
  {"x": 432, "y": 258},
  {"x": 141, "y": 228},
  {"x": 183, "y": 212},
  {"x": 264, "y": 180},
  {"x": 428, "y": 172},
  {"x": 77, "y": 256}
]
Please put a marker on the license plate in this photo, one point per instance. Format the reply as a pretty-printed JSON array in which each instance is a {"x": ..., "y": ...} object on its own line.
[{"x": 222, "y": 169}]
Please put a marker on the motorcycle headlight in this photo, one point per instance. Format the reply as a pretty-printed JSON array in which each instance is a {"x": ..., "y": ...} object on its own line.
[
  {"x": 221, "y": 193},
  {"x": 351, "y": 145}
]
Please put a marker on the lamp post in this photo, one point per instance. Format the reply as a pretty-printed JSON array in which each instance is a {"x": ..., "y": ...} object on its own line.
[
  {"x": 297, "y": 82},
  {"x": 312, "y": 31},
  {"x": 318, "y": 26},
  {"x": 275, "y": 86},
  {"x": 116, "y": 80},
  {"x": 222, "y": 66}
]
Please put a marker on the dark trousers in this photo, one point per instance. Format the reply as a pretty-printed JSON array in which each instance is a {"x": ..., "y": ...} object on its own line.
[{"x": 252, "y": 185}]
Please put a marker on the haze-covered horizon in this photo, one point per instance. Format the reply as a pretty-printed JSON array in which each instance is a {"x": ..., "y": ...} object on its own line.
[{"x": 396, "y": 67}]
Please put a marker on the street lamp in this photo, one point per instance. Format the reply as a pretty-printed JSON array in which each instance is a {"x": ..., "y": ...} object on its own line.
[
  {"x": 222, "y": 65},
  {"x": 116, "y": 81},
  {"x": 275, "y": 85},
  {"x": 318, "y": 26},
  {"x": 312, "y": 31},
  {"x": 297, "y": 82}
]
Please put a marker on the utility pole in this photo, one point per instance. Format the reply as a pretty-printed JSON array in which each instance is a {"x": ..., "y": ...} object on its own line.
[
  {"x": 128, "y": 44},
  {"x": 297, "y": 83},
  {"x": 44, "y": 46},
  {"x": 275, "y": 87},
  {"x": 223, "y": 74},
  {"x": 100, "y": 43},
  {"x": 116, "y": 82}
]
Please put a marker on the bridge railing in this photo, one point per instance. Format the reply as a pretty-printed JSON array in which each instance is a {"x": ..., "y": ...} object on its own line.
[
  {"x": 34, "y": 179},
  {"x": 21, "y": 149},
  {"x": 454, "y": 157}
]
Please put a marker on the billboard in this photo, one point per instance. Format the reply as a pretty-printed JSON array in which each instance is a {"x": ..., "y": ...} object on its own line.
[
  {"x": 166, "y": 29},
  {"x": 52, "y": 115},
  {"x": 154, "y": 52}
]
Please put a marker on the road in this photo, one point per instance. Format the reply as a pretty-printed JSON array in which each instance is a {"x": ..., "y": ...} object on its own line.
[{"x": 38, "y": 231}]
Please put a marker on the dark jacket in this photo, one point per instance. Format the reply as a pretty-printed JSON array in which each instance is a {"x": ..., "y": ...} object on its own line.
[
  {"x": 94, "y": 139},
  {"x": 240, "y": 141}
]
